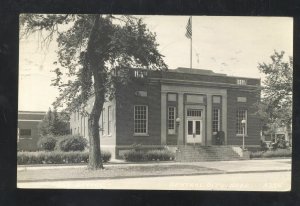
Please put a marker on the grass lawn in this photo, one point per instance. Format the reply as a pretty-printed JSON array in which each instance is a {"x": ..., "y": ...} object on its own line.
[{"x": 121, "y": 171}]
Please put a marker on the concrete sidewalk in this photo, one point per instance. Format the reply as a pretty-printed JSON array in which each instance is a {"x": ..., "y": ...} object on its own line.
[{"x": 265, "y": 165}]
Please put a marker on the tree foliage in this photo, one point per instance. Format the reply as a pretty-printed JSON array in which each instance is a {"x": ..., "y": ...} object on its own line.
[
  {"x": 276, "y": 106},
  {"x": 54, "y": 123},
  {"x": 92, "y": 50}
]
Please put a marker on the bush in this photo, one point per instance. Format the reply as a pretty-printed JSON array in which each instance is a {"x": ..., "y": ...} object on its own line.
[
  {"x": 134, "y": 156},
  {"x": 162, "y": 155},
  {"x": 272, "y": 153},
  {"x": 105, "y": 156},
  {"x": 263, "y": 145},
  {"x": 47, "y": 143},
  {"x": 151, "y": 155},
  {"x": 71, "y": 143},
  {"x": 57, "y": 157}
]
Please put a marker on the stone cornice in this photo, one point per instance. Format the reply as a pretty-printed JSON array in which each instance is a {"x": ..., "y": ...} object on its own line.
[{"x": 203, "y": 83}]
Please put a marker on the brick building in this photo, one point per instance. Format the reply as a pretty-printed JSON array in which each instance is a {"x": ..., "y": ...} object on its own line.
[
  {"x": 28, "y": 134},
  {"x": 145, "y": 111}
]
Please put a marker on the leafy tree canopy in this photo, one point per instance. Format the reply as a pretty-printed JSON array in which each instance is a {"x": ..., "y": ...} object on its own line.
[
  {"x": 118, "y": 43},
  {"x": 54, "y": 123},
  {"x": 276, "y": 106}
]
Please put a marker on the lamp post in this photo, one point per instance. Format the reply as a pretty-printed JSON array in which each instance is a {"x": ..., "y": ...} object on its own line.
[
  {"x": 177, "y": 129},
  {"x": 243, "y": 126}
]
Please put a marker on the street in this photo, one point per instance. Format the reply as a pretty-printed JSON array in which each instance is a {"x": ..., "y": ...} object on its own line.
[{"x": 258, "y": 181}]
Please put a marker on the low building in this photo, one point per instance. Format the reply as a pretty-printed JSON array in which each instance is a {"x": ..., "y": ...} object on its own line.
[
  {"x": 145, "y": 111},
  {"x": 28, "y": 133}
]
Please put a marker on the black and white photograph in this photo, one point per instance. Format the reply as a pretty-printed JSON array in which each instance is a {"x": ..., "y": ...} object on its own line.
[{"x": 155, "y": 102}]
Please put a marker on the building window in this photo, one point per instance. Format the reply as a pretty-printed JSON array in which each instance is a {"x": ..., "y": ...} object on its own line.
[
  {"x": 240, "y": 115},
  {"x": 216, "y": 120},
  {"x": 216, "y": 99},
  {"x": 241, "y": 81},
  {"x": 84, "y": 126},
  {"x": 138, "y": 73},
  {"x": 103, "y": 122},
  {"x": 171, "y": 120},
  {"x": 25, "y": 133},
  {"x": 194, "y": 113},
  {"x": 109, "y": 120},
  {"x": 140, "y": 119}
]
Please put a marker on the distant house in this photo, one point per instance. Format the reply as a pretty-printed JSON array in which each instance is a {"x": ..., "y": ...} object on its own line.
[
  {"x": 145, "y": 111},
  {"x": 28, "y": 133}
]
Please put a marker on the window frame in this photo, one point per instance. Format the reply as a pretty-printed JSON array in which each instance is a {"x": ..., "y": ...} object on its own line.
[
  {"x": 109, "y": 120},
  {"x": 21, "y": 136},
  {"x": 134, "y": 121},
  {"x": 103, "y": 122},
  {"x": 218, "y": 120},
  {"x": 239, "y": 124},
  {"x": 172, "y": 130}
]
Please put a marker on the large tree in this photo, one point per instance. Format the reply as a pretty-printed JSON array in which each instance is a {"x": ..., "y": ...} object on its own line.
[
  {"x": 276, "y": 107},
  {"x": 92, "y": 49}
]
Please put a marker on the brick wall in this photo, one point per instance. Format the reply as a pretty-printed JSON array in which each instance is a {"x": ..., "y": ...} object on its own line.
[
  {"x": 126, "y": 99},
  {"x": 253, "y": 123}
]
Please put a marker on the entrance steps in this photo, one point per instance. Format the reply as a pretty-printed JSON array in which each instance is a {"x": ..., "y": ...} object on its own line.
[{"x": 197, "y": 153}]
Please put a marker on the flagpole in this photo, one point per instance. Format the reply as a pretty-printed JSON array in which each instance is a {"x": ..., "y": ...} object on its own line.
[{"x": 191, "y": 51}]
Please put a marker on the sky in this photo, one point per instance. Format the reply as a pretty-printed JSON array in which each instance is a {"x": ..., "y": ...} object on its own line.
[{"x": 230, "y": 45}]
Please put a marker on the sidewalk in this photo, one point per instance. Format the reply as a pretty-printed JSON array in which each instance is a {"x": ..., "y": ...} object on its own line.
[{"x": 264, "y": 165}]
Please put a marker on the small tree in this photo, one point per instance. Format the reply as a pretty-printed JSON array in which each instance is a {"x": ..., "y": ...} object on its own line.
[{"x": 54, "y": 124}]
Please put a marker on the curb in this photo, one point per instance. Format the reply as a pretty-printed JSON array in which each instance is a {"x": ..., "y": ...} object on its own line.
[{"x": 145, "y": 176}]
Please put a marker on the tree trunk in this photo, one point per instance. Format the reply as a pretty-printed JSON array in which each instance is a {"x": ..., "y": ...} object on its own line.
[{"x": 96, "y": 65}]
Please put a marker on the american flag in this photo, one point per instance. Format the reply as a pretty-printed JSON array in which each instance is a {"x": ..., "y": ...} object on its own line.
[{"x": 188, "y": 33}]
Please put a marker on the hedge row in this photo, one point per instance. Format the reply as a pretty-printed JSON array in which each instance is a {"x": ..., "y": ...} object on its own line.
[
  {"x": 272, "y": 153},
  {"x": 150, "y": 155},
  {"x": 57, "y": 157}
]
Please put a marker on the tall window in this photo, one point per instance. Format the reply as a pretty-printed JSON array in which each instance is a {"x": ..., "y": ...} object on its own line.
[
  {"x": 216, "y": 120},
  {"x": 171, "y": 120},
  {"x": 109, "y": 120},
  {"x": 140, "y": 119},
  {"x": 103, "y": 122},
  {"x": 240, "y": 115}
]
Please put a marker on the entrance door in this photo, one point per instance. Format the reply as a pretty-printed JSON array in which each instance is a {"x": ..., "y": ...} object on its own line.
[
  {"x": 194, "y": 131},
  {"x": 194, "y": 126}
]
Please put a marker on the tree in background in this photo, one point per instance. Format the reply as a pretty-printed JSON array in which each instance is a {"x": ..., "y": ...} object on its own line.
[
  {"x": 275, "y": 108},
  {"x": 93, "y": 50},
  {"x": 54, "y": 123}
]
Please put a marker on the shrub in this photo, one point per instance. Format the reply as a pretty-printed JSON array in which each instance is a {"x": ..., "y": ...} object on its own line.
[
  {"x": 71, "y": 143},
  {"x": 105, "y": 156},
  {"x": 134, "y": 156},
  {"x": 272, "y": 153},
  {"x": 151, "y": 155},
  {"x": 47, "y": 143},
  {"x": 161, "y": 155},
  {"x": 57, "y": 157},
  {"x": 263, "y": 145}
]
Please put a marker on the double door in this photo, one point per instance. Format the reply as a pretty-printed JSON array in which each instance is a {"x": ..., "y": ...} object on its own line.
[{"x": 194, "y": 130}]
